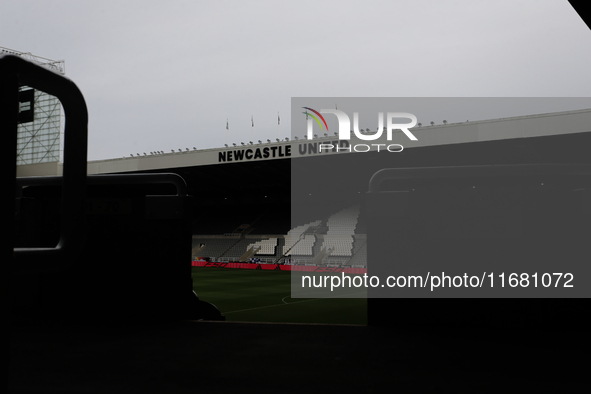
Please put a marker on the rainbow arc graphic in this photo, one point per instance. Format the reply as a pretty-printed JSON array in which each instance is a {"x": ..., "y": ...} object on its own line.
[{"x": 315, "y": 118}]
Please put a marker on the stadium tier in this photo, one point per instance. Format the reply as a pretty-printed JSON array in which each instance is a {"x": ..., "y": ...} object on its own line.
[
  {"x": 310, "y": 209},
  {"x": 329, "y": 240}
]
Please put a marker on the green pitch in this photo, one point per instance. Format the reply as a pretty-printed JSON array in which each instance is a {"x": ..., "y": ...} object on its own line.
[{"x": 264, "y": 296}]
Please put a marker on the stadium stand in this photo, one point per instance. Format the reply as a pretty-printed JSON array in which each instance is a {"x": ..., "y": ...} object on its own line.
[
  {"x": 303, "y": 247},
  {"x": 359, "y": 255},
  {"x": 256, "y": 219},
  {"x": 341, "y": 228},
  {"x": 265, "y": 247},
  {"x": 334, "y": 230},
  {"x": 297, "y": 236},
  {"x": 214, "y": 246}
]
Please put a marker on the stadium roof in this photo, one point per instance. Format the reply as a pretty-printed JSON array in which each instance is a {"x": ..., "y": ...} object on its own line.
[{"x": 551, "y": 137}]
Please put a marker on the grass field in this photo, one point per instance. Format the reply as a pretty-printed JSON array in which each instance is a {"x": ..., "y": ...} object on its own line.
[{"x": 264, "y": 296}]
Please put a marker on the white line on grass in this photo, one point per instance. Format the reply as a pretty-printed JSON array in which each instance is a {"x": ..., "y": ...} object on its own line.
[
  {"x": 287, "y": 303},
  {"x": 269, "y": 306}
]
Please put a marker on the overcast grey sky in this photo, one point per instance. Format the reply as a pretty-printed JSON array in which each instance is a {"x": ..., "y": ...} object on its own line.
[{"x": 166, "y": 75}]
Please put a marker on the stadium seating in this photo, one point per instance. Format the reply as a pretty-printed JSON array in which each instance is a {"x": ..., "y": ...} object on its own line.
[
  {"x": 265, "y": 246},
  {"x": 341, "y": 227},
  {"x": 332, "y": 233},
  {"x": 298, "y": 236}
]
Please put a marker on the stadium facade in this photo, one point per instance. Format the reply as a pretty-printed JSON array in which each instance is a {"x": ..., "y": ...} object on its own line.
[{"x": 249, "y": 204}]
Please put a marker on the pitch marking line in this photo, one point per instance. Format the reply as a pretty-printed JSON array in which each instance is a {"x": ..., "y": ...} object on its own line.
[
  {"x": 284, "y": 303},
  {"x": 269, "y": 306}
]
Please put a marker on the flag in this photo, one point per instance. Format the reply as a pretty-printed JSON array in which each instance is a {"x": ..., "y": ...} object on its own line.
[
  {"x": 278, "y": 119},
  {"x": 252, "y": 120},
  {"x": 227, "y": 125}
]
